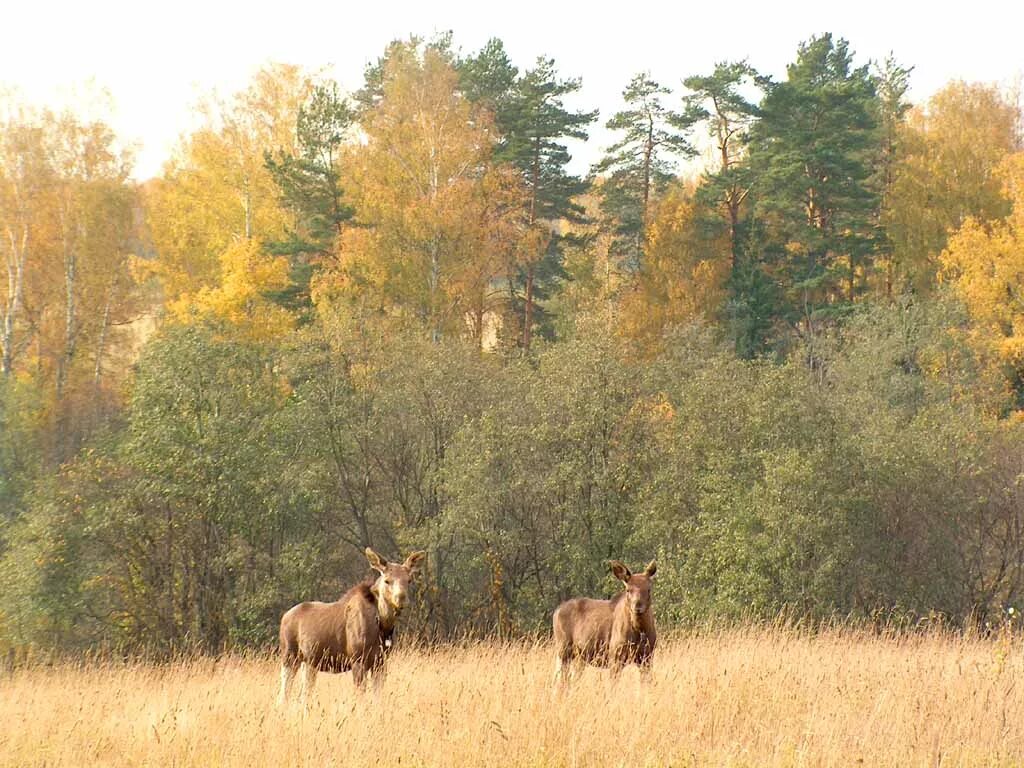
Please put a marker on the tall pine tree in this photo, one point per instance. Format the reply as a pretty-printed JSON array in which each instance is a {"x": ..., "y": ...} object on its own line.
[
  {"x": 540, "y": 126},
  {"x": 812, "y": 153},
  {"x": 721, "y": 101},
  {"x": 535, "y": 124},
  {"x": 639, "y": 166},
  {"x": 718, "y": 101},
  {"x": 310, "y": 186},
  {"x": 891, "y": 82}
]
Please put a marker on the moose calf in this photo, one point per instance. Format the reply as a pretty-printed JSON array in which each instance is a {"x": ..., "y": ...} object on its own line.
[{"x": 608, "y": 633}]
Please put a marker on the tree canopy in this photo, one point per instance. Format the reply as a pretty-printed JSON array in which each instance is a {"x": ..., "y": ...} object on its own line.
[{"x": 775, "y": 339}]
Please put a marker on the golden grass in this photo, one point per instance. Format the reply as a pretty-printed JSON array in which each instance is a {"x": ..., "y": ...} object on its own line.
[{"x": 736, "y": 698}]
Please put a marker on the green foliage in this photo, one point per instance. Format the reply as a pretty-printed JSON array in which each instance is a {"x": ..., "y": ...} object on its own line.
[
  {"x": 21, "y": 415},
  {"x": 310, "y": 186},
  {"x": 820, "y": 443},
  {"x": 534, "y": 125},
  {"x": 248, "y": 478},
  {"x": 544, "y": 485},
  {"x": 202, "y": 485},
  {"x": 812, "y": 152},
  {"x": 892, "y": 81},
  {"x": 639, "y": 166},
  {"x": 488, "y": 78}
]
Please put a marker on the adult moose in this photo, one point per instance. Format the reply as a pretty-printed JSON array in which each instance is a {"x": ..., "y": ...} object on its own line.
[
  {"x": 608, "y": 633},
  {"x": 353, "y": 633}
]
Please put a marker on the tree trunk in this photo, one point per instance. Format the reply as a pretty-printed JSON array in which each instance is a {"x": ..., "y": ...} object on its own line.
[
  {"x": 15, "y": 292},
  {"x": 101, "y": 341},
  {"x": 435, "y": 280},
  {"x": 528, "y": 313},
  {"x": 247, "y": 206},
  {"x": 852, "y": 287},
  {"x": 648, "y": 160},
  {"x": 70, "y": 322},
  {"x": 734, "y": 221},
  {"x": 479, "y": 330},
  {"x": 528, "y": 309}
]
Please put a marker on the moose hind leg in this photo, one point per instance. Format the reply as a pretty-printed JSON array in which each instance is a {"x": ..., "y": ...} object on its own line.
[
  {"x": 564, "y": 665},
  {"x": 308, "y": 681},
  {"x": 288, "y": 670}
]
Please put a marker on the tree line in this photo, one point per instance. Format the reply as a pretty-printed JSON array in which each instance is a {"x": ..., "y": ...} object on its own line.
[{"x": 394, "y": 318}]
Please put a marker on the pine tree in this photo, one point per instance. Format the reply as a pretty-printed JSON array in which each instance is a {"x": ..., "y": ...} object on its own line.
[
  {"x": 717, "y": 101},
  {"x": 488, "y": 79},
  {"x": 891, "y": 82},
  {"x": 641, "y": 163},
  {"x": 536, "y": 146},
  {"x": 812, "y": 153},
  {"x": 310, "y": 186},
  {"x": 534, "y": 124}
]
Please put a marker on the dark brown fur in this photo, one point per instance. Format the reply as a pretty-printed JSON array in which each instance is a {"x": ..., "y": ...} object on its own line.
[
  {"x": 608, "y": 633},
  {"x": 353, "y": 633}
]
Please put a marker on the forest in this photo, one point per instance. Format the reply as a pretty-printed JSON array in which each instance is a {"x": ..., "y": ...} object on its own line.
[{"x": 397, "y": 318}]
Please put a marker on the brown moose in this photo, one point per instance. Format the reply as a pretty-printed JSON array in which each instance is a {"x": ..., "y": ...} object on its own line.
[
  {"x": 353, "y": 633},
  {"x": 607, "y": 633}
]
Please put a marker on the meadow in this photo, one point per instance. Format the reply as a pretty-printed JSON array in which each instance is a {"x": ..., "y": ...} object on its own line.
[{"x": 738, "y": 697}]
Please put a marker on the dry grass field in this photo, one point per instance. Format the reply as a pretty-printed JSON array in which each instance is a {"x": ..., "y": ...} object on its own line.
[{"x": 732, "y": 698}]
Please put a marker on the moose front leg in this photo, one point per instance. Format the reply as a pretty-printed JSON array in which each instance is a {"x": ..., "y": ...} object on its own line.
[
  {"x": 378, "y": 673},
  {"x": 618, "y": 657},
  {"x": 359, "y": 671},
  {"x": 646, "y": 668}
]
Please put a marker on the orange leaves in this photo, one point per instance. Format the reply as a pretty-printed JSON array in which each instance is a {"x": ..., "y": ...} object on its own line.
[{"x": 684, "y": 274}]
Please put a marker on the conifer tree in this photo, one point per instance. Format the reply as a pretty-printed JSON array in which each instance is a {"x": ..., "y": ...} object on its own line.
[
  {"x": 717, "y": 100},
  {"x": 639, "y": 166},
  {"x": 534, "y": 124},
  {"x": 309, "y": 183},
  {"x": 813, "y": 152}
]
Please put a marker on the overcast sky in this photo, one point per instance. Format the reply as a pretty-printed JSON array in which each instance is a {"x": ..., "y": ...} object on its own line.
[{"x": 156, "y": 59}]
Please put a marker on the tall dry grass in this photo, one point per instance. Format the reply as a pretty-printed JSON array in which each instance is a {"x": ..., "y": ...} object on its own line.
[{"x": 736, "y": 698}]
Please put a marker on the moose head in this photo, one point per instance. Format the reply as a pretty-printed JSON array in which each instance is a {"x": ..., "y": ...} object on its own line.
[
  {"x": 392, "y": 585},
  {"x": 638, "y": 585}
]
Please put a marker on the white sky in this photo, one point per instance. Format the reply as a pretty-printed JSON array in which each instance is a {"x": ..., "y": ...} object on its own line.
[{"x": 157, "y": 59}]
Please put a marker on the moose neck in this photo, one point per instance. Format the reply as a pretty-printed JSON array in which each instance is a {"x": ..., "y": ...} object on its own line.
[
  {"x": 387, "y": 615},
  {"x": 638, "y": 623}
]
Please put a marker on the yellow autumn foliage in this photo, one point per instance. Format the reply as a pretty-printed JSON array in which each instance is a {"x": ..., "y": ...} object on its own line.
[
  {"x": 950, "y": 149},
  {"x": 684, "y": 272},
  {"x": 240, "y": 299},
  {"x": 984, "y": 264},
  {"x": 216, "y": 201},
  {"x": 438, "y": 219}
]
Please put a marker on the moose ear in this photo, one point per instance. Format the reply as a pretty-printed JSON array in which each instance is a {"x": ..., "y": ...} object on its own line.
[
  {"x": 619, "y": 570},
  {"x": 377, "y": 562},
  {"x": 651, "y": 569},
  {"x": 413, "y": 561}
]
